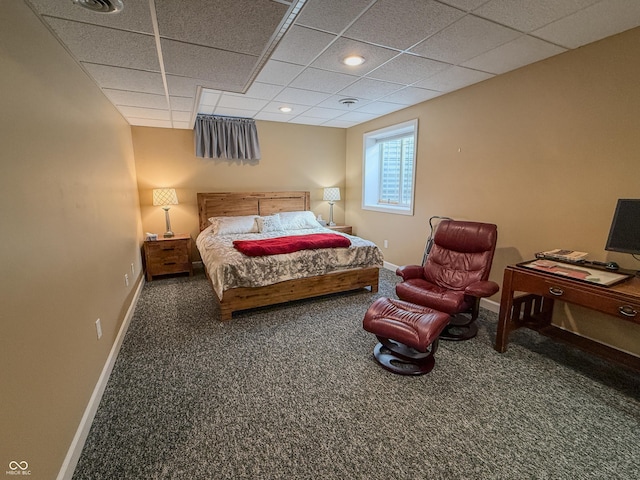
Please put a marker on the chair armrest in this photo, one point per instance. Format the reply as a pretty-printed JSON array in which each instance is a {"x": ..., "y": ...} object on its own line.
[
  {"x": 410, "y": 271},
  {"x": 481, "y": 289}
]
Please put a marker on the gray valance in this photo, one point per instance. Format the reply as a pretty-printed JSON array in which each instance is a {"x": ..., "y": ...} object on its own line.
[{"x": 226, "y": 137}]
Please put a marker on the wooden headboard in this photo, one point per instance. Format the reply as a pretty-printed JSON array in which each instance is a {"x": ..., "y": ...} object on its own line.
[{"x": 227, "y": 204}]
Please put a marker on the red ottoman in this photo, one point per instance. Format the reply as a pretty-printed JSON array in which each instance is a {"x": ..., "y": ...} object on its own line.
[{"x": 408, "y": 335}]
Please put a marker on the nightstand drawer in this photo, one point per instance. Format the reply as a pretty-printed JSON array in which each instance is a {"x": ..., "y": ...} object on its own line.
[
  {"x": 169, "y": 265},
  {"x": 168, "y": 248}
]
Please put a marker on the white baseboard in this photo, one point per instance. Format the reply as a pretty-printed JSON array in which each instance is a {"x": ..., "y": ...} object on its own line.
[
  {"x": 75, "y": 449},
  {"x": 490, "y": 305},
  {"x": 389, "y": 266}
]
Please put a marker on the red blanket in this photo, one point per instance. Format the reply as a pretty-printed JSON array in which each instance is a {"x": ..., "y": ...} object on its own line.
[{"x": 293, "y": 243}]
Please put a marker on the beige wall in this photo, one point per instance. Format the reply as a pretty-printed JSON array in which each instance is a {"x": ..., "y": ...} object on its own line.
[
  {"x": 544, "y": 152},
  {"x": 294, "y": 157},
  {"x": 70, "y": 231}
]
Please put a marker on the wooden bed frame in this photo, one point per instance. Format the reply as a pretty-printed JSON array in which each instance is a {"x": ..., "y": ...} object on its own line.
[{"x": 268, "y": 203}]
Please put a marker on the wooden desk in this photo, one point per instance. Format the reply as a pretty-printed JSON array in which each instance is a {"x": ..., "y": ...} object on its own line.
[{"x": 534, "y": 309}]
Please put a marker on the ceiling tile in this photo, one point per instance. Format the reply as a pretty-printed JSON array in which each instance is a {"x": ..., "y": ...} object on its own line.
[
  {"x": 136, "y": 99},
  {"x": 520, "y": 52},
  {"x": 302, "y": 120},
  {"x": 528, "y": 16},
  {"x": 322, "y": 81},
  {"x": 263, "y": 90},
  {"x": 453, "y": 78},
  {"x": 186, "y": 86},
  {"x": 138, "y": 112},
  {"x": 465, "y": 39},
  {"x": 115, "y": 47},
  {"x": 182, "y": 103},
  {"x": 301, "y": 45},
  {"x": 357, "y": 117},
  {"x": 380, "y": 108},
  {"x": 182, "y": 125},
  {"x": 134, "y": 17},
  {"x": 125, "y": 78},
  {"x": 209, "y": 97},
  {"x": 225, "y": 70},
  {"x": 243, "y": 26},
  {"x": 594, "y": 23},
  {"x": 302, "y": 97},
  {"x": 370, "y": 88},
  {"x": 179, "y": 116},
  {"x": 401, "y": 23},
  {"x": 339, "y": 123},
  {"x": 149, "y": 122},
  {"x": 411, "y": 96},
  {"x": 332, "y": 58},
  {"x": 319, "y": 112},
  {"x": 234, "y": 112},
  {"x": 242, "y": 103},
  {"x": 466, "y": 5},
  {"x": 330, "y": 15},
  {"x": 278, "y": 73},
  {"x": 206, "y": 109},
  {"x": 272, "y": 117},
  {"x": 408, "y": 69}
]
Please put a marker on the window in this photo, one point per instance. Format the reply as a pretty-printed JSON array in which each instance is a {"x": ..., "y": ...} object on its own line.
[{"x": 389, "y": 169}]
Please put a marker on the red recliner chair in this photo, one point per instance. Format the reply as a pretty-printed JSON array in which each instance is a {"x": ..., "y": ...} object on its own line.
[{"x": 455, "y": 275}]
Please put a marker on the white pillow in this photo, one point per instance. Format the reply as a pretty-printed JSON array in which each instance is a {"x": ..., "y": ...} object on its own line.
[
  {"x": 298, "y": 220},
  {"x": 233, "y": 225},
  {"x": 271, "y": 223}
]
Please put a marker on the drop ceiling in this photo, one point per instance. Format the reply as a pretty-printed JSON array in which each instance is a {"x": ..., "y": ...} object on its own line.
[{"x": 161, "y": 62}]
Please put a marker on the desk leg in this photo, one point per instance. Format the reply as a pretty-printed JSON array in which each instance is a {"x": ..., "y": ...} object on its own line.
[{"x": 506, "y": 309}]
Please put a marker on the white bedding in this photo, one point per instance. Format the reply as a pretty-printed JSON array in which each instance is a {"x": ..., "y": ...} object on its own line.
[{"x": 228, "y": 268}]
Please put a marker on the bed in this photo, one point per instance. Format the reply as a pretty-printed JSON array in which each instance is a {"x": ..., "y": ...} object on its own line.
[{"x": 240, "y": 282}]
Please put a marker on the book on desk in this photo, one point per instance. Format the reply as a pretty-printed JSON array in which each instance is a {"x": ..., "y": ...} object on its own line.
[{"x": 563, "y": 255}]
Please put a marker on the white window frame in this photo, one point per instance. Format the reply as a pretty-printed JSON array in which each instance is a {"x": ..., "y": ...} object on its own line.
[{"x": 372, "y": 167}]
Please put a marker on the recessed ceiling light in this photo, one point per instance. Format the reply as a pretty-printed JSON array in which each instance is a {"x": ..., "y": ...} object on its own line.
[
  {"x": 353, "y": 60},
  {"x": 285, "y": 109}
]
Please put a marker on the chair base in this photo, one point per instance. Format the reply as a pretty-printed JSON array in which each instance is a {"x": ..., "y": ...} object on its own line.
[
  {"x": 403, "y": 360},
  {"x": 459, "y": 328}
]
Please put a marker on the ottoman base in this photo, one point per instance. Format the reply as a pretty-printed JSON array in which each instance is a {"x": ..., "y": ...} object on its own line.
[
  {"x": 398, "y": 358},
  {"x": 408, "y": 335}
]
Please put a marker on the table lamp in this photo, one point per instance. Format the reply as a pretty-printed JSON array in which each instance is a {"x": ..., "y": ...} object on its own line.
[
  {"x": 165, "y": 197},
  {"x": 331, "y": 195}
]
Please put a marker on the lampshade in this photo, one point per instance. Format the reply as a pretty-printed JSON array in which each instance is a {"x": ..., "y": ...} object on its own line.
[
  {"x": 331, "y": 194},
  {"x": 164, "y": 196}
]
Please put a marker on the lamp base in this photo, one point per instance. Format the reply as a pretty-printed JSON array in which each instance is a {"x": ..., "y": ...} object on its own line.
[
  {"x": 168, "y": 234},
  {"x": 332, "y": 224}
]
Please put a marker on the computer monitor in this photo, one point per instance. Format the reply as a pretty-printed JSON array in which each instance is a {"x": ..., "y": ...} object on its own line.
[{"x": 624, "y": 234}]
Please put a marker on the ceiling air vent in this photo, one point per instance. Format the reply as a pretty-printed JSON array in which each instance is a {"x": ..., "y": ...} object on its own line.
[
  {"x": 348, "y": 101},
  {"x": 101, "y": 6}
]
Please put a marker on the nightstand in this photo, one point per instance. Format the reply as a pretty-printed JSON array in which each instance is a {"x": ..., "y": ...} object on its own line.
[
  {"x": 342, "y": 228},
  {"x": 168, "y": 255}
]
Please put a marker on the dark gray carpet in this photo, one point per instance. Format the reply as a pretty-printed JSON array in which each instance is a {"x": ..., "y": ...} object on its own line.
[{"x": 292, "y": 392}]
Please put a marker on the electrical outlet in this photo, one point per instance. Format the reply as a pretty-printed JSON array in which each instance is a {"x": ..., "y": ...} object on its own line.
[
  {"x": 133, "y": 270},
  {"x": 98, "y": 329},
  {"x": 126, "y": 280},
  {"x": 386, "y": 244}
]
